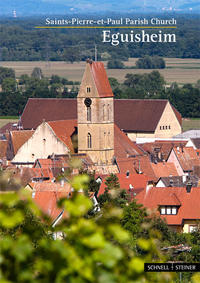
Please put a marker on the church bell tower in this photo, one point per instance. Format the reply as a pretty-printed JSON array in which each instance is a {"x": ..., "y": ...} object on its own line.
[{"x": 95, "y": 107}]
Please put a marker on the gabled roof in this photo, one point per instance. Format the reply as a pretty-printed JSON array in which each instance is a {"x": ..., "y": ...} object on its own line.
[
  {"x": 100, "y": 78},
  {"x": 51, "y": 163},
  {"x": 123, "y": 146},
  {"x": 8, "y": 127},
  {"x": 196, "y": 142},
  {"x": 18, "y": 138},
  {"x": 64, "y": 130},
  {"x": 173, "y": 196},
  {"x": 126, "y": 164},
  {"x": 3, "y": 148},
  {"x": 164, "y": 169},
  {"x": 163, "y": 146},
  {"x": 137, "y": 182},
  {"x": 47, "y": 202},
  {"x": 48, "y": 109},
  {"x": 49, "y": 186},
  {"x": 179, "y": 181},
  {"x": 142, "y": 164},
  {"x": 140, "y": 115},
  {"x": 187, "y": 157}
]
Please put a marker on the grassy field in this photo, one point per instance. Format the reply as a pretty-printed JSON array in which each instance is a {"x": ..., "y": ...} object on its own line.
[
  {"x": 179, "y": 70},
  {"x": 191, "y": 124},
  {"x": 4, "y": 121}
]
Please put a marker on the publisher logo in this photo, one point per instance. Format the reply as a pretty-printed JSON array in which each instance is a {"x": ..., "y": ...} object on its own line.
[{"x": 172, "y": 267}]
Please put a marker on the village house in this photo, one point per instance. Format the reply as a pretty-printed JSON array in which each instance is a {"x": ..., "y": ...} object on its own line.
[
  {"x": 178, "y": 206},
  {"x": 184, "y": 159},
  {"x": 102, "y": 131}
]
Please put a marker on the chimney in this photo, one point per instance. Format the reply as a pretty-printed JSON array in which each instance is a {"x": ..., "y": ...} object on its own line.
[{"x": 149, "y": 186}]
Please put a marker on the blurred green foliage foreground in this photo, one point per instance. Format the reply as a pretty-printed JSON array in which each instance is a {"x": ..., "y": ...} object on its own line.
[{"x": 93, "y": 249}]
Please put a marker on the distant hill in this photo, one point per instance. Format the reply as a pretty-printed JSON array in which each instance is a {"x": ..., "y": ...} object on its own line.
[{"x": 39, "y": 7}]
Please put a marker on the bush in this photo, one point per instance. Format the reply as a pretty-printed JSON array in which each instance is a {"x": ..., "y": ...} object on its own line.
[
  {"x": 148, "y": 62},
  {"x": 115, "y": 64}
]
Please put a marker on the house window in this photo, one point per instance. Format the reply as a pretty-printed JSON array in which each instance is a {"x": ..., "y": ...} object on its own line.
[
  {"x": 104, "y": 112},
  {"x": 174, "y": 210},
  {"x": 88, "y": 89},
  {"x": 160, "y": 127},
  {"x": 89, "y": 140},
  {"x": 166, "y": 127},
  {"x": 89, "y": 113},
  {"x": 169, "y": 127},
  {"x": 168, "y": 210},
  {"x": 163, "y": 127},
  {"x": 192, "y": 228},
  {"x": 108, "y": 111},
  {"x": 162, "y": 210}
]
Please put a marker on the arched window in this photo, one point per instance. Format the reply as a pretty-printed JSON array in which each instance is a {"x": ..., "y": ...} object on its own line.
[
  {"x": 89, "y": 113},
  {"x": 89, "y": 140},
  {"x": 104, "y": 112},
  {"x": 108, "y": 111}
]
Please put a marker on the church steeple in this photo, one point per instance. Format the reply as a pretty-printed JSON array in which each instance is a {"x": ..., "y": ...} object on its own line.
[{"x": 96, "y": 114}]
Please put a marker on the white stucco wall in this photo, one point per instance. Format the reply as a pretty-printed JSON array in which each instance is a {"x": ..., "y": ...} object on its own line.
[{"x": 42, "y": 144}]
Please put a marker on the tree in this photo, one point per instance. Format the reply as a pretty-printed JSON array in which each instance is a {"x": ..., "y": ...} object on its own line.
[
  {"x": 9, "y": 85},
  {"x": 92, "y": 250},
  {"x": 148, "y": 62},
  {"x": 115, "y": 64},
  {"x": 6, "y": 73},
  {"x": 71, "y": 54},
  {"x": 37, "y": 73}
]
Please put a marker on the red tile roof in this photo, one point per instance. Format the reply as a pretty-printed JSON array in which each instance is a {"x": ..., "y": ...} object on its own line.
[
  {"x": 126, "y": 164},
  {"x": 3, "y": 148},
  {"x": 101, "y": 79},
  {"x": 164, "y": 147},
  {"x": 18, "y": 138},
  {"x": 138, "y": 182},
  {"x": 164, "y": 169},
  {"x": 27, "y": 174},
  {"x": 143, "y": 165},
  {"x": 49, "y": 186},
  {"x": 123, "y": 145},
  {"x": 64, "y": 130},
  {"x": 47, "y": 202},
  {"x": 8, "y": 127},
  {"x": 43, "y": 163},
  {"x": 188, "y": 202},
  {"x": 152, "y": 170},
  {"x": 187, "y": 157}
]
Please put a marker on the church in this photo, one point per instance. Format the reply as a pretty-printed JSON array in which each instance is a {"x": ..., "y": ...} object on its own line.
[{"x": 101, "y": 123}]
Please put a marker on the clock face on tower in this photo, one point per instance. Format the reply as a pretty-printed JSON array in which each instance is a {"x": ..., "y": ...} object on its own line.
[{"x": 88, "y": 102}]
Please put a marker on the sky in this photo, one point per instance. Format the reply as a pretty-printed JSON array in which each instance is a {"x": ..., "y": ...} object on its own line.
[{"x": 86, "y": 6}]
